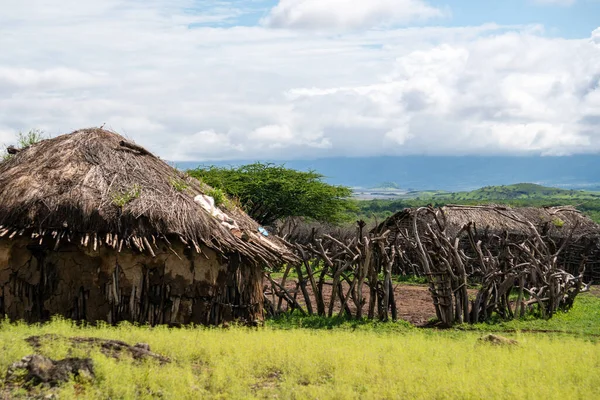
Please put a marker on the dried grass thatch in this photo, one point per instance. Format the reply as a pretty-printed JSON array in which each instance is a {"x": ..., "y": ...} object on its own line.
[
  {"x": 95, "y": 187},
  {"x": 556, "y": 222}
]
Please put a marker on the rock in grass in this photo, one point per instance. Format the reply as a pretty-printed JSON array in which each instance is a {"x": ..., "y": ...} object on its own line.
[
  {"x": 143, "y": 346},
  {"x": 498, "y": 340},
  {"x": 108, "y": 347},
  {"x": 43, "y": 370}
]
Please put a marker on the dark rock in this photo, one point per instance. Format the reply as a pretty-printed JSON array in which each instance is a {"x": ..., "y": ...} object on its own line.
[
  {"x": 108, "y": 347},
  {"x": 43, "y": 370},
  {"x": 143, "y": 346}
]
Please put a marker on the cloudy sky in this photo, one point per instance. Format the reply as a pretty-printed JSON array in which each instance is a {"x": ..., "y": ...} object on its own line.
[{"x": 254, "y": 79}]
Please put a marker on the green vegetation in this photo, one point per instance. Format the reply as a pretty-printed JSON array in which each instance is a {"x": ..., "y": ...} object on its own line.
[
  {"x": 519, "y": 195},
  {"x": 27, "y": 139},
  {"x": 218, "y": 195},
  {"x": 520, "y": 191},
  {"x": 347, "y": 360},
  {"x": 583, "y": 319},
  {"x": 313, "y": 357},
  {"x": 388, "y": 186},
  {"x": 32, "y": 137},
  {"x": 301, "y": 357},
  {"x": 296, "y": 320},
  {"x": 120, "y": 199},
  {"x": 179, "y": 185},
  {"x": 271, "y": 192}
]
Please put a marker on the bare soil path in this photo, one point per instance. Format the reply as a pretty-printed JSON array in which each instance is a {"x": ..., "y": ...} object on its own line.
[{"x": 413, "y": 302}]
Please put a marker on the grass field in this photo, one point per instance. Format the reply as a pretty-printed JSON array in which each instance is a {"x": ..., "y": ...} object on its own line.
[{"x": 292, "y": 358}]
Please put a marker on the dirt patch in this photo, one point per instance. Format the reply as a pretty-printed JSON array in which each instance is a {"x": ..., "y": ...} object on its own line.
[{"x": 414, "y": 303}]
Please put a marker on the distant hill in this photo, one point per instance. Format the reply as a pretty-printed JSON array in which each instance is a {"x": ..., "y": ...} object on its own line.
[
  {"x": 520, "y": 191},
  {"x": 387, "y": 186},
  {"x": 518, "y": 195}
]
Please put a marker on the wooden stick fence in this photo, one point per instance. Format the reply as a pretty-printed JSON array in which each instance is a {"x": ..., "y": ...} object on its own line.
[
  {"x": 469, "y": 280},
  {"x": 335, "y": 276},
  {"x": 513, "y": 274}
]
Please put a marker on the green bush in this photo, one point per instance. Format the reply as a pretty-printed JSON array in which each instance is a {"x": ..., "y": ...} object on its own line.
[{"x": 218, "y": 195}]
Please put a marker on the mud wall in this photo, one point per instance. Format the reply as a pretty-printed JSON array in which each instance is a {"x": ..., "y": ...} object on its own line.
[{"x": 177, "y": 286}]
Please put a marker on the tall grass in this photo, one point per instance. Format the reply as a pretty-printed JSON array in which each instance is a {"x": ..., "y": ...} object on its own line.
[
  {"x": 326, "y": 364},
  {"x": 582, "y": 319}
]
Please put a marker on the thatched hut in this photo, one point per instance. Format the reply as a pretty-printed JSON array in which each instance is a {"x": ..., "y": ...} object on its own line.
[
  {"x": 94, "y": 227},
  {"x": 490, "y": 222}
]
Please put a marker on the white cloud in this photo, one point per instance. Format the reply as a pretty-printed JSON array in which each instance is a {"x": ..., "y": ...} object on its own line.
[
  {"x": 511, "y": 93},
  {"x": 347, "y": 14},
  {"x": 210, "y": 144},
  {"x": 596, "y": 37},
  {"x": 48, "y": 79},
  {"x": 237, "y": 144},
  {"x": 273, "y": 133},
  {"x": 256, "y": 93}
]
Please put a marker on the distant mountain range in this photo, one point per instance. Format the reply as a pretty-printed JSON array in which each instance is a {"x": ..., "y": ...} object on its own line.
[{"x": 418, "y": 173}]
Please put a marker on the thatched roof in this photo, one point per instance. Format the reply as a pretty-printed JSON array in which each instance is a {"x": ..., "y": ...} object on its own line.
[
  {"x": 95, "y": 186},
  {"x": 556, "y": 221}
]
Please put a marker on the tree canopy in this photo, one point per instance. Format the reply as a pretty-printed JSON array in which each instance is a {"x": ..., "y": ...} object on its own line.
[{"x": 270, "y": 192}]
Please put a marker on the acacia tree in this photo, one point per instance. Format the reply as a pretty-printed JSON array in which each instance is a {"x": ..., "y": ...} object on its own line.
[{"x": 270, "y": 192}]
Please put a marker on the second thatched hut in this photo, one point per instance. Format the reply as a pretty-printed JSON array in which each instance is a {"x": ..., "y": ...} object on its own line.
[{"x": 492, "y": 222}]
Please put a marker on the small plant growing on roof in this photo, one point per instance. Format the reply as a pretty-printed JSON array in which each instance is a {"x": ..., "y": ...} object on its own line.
[
  {"x": 218, "y": 195},
  {"x": 179, "y": 185},
  {"x": 25, "y": 140},
  {"x": 32, "y": 137},
  {"x": 123, "y": 198}
]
